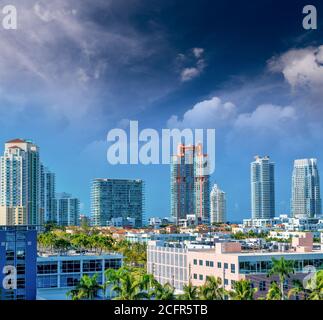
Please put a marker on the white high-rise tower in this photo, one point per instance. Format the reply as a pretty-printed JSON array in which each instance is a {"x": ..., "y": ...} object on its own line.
[
  {"x": 20, "y": 184},
  {"x": 218, "y": 205},
  {"x": 306, "y": 198}
]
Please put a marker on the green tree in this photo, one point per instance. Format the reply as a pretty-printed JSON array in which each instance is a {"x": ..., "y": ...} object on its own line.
[
  {"x": 190, "y": 292},
  {"x": 212, "y": 289},
  {"x": 242, "y": 290},
  {"x": 283, "y": 269},
  {"x": 87, "y": 289},
  {"x": 274, "y": 292}
]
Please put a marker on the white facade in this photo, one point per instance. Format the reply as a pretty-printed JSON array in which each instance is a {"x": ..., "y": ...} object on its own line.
[
  {"x": 218, "y": 205},
  {"x": 262, "y": 188},
  {"x": 20, "y": 184},
  {"x": 306, "y": 198}
]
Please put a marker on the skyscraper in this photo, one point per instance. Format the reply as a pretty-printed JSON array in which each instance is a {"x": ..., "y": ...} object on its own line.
[
  {"x": 262, "y": 188},
  {"x": 47, "y": 194},
  {"x": 306, "y": 198},
  {"x": 20, "y": 184},
  {"x": 117, "y": 198},
  {"x": 67, "y": 209},
  {"x": 190, "y": 185},
  {"x": 218, "y": 205}
]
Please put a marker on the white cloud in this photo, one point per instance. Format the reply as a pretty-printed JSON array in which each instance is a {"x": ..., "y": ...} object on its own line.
[
  {"x": 215, "y": 113},
  {"x": 205, "y": 114},
  {"x": 191, "y": 72},
  {"x": 302, "y": 68},
  {"x": 198, "y": 52},
  {"x": 266, "y": 117}
]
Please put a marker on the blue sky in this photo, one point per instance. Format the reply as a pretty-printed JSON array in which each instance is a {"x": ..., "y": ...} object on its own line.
[{"x": 76, "y": 69}]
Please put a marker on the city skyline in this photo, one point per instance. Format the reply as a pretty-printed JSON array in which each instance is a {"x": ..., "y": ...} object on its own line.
[
  {"x": 47, "y": 181},
  {"x": 260, "y": 87}
]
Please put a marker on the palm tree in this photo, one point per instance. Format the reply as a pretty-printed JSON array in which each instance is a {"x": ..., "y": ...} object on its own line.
[
  {"x": 297, "y": 289},
  {"x": 163, "y": 292},
  {"x": 283, "y": 268},
  {"x": 212, "y": 289},
  {"x": 129, "y": 288},
  {"x": 87, "y": 289},
  {"x": 316, "y": 288},
  {"x": 190, "y": 292},
  {"x": 242, "y": 290},
  {"x": 274, "y": 292}
]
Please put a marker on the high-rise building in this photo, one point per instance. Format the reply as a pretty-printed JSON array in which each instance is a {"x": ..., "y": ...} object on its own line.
[
  {"x": 47, "y": 194},
  {"x": 218, "y": 205},
  {"x": 67, "y": 209},
  {"x": 20, "y": 184},
  {"x": 18, "y": 259},
  {"x": 262, "y": 188},
  {"x": 306, "y": 198},
  {"x": 190, "y": 184},
  {"x": 117, "y": 198}
]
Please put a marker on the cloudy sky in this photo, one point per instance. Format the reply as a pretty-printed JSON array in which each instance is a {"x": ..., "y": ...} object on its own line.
[{"x": 76, "y": 69}]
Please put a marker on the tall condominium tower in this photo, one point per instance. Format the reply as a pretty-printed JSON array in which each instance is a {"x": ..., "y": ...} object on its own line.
[
  {"x": 218, "y": 205},
  {"x": 116, "y": 198},
  {"x": 67, "y": 210},
  {"x": 20, "y": 184},
  {"x": 190, "y": 184},
  {"x": 262, "y": 188},
  {"x": 47, "y": 194},
  {"x": 306, "y": 199}
]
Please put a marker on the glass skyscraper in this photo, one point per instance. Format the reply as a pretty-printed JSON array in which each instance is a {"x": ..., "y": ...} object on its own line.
[
  {"x": 190, "y": 184},
  {"x": 218, "y": 205},
  {"x": 67, "y": 210},
  {"x": 306, "y": 198},
  {"x": 117, "y": 198},
  {"x": 47, "y": 194},
  {"x": 262, "y": 188}
]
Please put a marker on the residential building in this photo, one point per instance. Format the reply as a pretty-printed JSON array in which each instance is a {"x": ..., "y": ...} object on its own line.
[
  {"x": 168, "y": 263},
  {"x": 148, "y": 236},
  {"x": 190, "y": 184},
  {"x": 47, "y": 194},
  {"x": 218, "y": 205},
  {"x": 306, "y": 197},
  {"x": 20, "y": 184},
  {"x": 115, "y": 198},
  {"x": 67, "y": 209},
  {"x": 18, "y": 249},
  {"x": 180, "y": 264},
  {"x": 58, "y": 274},
  {"x": 262, "y": 188}
]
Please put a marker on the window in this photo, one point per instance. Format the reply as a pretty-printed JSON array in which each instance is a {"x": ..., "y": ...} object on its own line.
[
  {"x": 92, "y": 265},
  {"x": 211, "y": 264},
  {"x": 207, "y": 263},
  {"x": 262, "y": 286},
  {"x": 201, "y": 277},
  {"x": 201, "y": 262},
  {"x": 112, "y": 264},
  {"x": 226, "y": 282},
  {"x": 70, "y": 280},
  {"x": 195, "y": 276},
  {"x": 233, "y": 268},
  {"x": 226, "y": 266},
  {"x": 195, "y": 262},
  {"x": 219, "y": 265},
  {"x": 70, "y": 266},
  {"x": 46, "y": 267}
]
